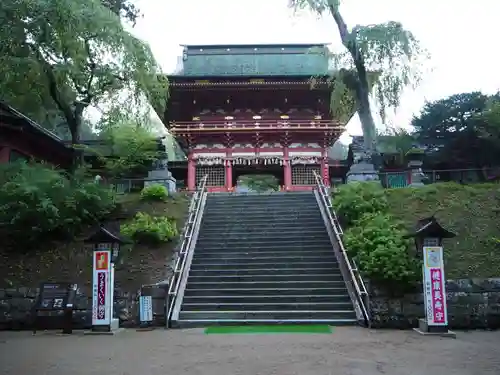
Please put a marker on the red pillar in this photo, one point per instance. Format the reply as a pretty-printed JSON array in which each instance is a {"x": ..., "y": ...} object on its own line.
[
  {"x": 191, "y": 175},
  {"x": 4, "y": 154},
  {"x": 229, "y": 175},
  {"x": 287, "y": 170},
  {"x": 325, "y": 171}
]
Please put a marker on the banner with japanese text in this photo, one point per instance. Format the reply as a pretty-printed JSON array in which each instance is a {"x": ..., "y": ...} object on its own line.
[
  {"x": 434, "y": 286},
  {"x": 101, "y": 297}
]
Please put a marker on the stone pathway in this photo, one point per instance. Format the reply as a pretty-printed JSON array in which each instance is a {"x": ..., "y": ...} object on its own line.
[{"x": 348, "y": 351}]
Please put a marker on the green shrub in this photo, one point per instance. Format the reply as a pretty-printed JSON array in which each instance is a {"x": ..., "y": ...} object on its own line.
[
  {"x": 377, "y": 243},
  {"x": 374, "y": 238},
  {"x": 355, "y": 199},
  {"x": 154, "y": 192},
  {"x": 37, "y": 202},
  {"x": 145, "y": 228}
]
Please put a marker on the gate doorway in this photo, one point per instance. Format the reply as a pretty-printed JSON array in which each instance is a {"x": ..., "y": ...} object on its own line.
[{"x": 257, "y": 178}]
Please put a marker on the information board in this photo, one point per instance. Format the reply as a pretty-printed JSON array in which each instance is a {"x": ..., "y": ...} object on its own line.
[
  {"x": 56, "y": 296},
  {"x": 146, "y": 309}
]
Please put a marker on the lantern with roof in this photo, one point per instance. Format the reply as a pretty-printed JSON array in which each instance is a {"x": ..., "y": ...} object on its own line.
[{"x": 429, "y": 235}]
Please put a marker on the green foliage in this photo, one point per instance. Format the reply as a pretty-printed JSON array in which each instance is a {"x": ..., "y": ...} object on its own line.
[
  {"x": 154, "y": 192},
  {"x": 65, "y": 55},
  {"x": 376, "y": 242},
  {"x": 145, "y": 228},
  {"x": 355, "y": 199},
  {"x": 471, "y": 211},
  {"x": 374, "y": 238},
  {"x": 132, "y": 146},
  {"x": 260, "y": 182},
  {"x": 462, "y": 128},
  {"x": 37, "y": 202}
]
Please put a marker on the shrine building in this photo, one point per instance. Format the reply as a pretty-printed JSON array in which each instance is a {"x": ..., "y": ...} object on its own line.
[{"x": 243, "y": 109}]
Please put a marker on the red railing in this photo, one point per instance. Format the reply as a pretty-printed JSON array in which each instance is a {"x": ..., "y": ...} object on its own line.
[{"x": 256, "y": 124}]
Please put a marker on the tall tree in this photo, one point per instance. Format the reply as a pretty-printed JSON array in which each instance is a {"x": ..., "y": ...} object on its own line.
[
  {"x": 386, "y": 49},
  {"x": 75, "y": 52},
  {"x": 123, "y": 8},
  {"x": 442, "y": 121},
  {"x": 460, "y": 129}
]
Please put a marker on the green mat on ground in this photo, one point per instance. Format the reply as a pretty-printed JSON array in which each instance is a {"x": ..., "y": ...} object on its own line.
[{"x": 320, "y": 328}]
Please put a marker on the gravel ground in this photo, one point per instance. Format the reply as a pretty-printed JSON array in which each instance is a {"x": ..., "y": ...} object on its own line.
[{"x": 347, "y": 351}]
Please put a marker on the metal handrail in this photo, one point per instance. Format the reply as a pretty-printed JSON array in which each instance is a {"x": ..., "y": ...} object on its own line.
[
  {"x": 187, "y": 235},
  {"x": 362, "y": 295}
]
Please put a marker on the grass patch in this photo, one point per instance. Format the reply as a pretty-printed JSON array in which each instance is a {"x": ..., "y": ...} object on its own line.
[
  {"x": 313, "y": 328},
  {"x": 471, "y": 211}
]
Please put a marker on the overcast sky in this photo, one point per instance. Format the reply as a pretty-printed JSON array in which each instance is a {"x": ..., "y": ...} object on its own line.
[{"x": 461, "y": 36}]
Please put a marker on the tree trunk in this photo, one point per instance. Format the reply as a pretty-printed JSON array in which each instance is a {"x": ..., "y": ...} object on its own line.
[{"x": 362, "y": 88}]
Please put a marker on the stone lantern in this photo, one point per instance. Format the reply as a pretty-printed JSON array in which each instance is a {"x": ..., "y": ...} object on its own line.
[
  {"x": 415, "y": 158},
  {"x": 429, "y": 235}
]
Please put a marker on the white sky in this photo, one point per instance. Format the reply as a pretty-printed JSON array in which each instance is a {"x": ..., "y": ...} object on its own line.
[{"x": 461, "y": 36}]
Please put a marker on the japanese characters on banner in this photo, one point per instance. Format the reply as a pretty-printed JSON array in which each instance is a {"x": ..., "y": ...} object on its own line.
[
  {"x": 434, "y": 286},
  {"x": 101, "y": 296}
]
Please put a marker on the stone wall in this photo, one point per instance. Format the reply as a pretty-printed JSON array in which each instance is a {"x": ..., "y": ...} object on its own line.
[
  {"x": 472, "y": 304},
  {"x": 16, "y": 309}
]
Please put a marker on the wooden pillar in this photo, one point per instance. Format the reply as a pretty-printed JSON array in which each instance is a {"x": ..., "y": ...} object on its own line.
[
  {"x": 325, "y": 171},
  {"x": 287, "y": 170},
  {"x": 191, "y": 175},
  {"x": 229, "y": 171},
  {"x": 4, "y": 154}
]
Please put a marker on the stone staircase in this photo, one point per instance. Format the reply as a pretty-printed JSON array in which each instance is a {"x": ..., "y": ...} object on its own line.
[{"x": 263, "y": 259}]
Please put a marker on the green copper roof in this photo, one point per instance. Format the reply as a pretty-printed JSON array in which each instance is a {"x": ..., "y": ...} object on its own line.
[{"x": 255, "y": 60}]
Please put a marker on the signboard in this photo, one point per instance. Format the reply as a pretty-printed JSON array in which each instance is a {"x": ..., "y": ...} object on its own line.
[
  {"x": 434, "y": 286},
  {"x": 56, "y": 296},
  {"x": 146, "y": 309},
  {"x": 101, "y": 292}
]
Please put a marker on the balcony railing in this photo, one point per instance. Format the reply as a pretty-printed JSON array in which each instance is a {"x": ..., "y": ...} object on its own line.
[{"x": 261, "y": 125}]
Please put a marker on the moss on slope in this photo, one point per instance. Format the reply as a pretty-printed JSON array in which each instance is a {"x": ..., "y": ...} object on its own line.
[{"x": 471, "y": 211}]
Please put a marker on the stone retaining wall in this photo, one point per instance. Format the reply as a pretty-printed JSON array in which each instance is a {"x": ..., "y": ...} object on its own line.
[
  {"x": 16, "y": 308},
  {"x": 472, "y": 304}
]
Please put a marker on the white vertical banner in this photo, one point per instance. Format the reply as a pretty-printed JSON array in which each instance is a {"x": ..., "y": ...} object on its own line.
[
  {"x": 101, "y": 288},
  {"x": 434, "y": 286}
]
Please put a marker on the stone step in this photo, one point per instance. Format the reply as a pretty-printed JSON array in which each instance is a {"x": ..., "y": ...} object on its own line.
[
  {"x": 252, "y": 209},
  {"x": 267, "y": 272},
  {"x": 331, "y": 277},
  {"x": 238, "y": 267},
  {"x": 283, "y": 260},
  {"x": 255, "y": 242},
  {"x": 261, "y": 228},
  {"x": 244, "y": 255},
  {"x": 186, "y": 323},
  {"x": 285, "y": 284},
  {"x": 269, "y": 305},
  {"x": 269, "y": 315},
  {"x": 259, "y": 197},
  {"x": 269, "y": 299},
  {"x": 238, "y": 204},
  {"x": 247, "y": 237},
  {"x": 328, "y": 290},
  {"x": 269, "y": 220},
  {"x": 261, "y": 215},
  {"x": 235, "y": 251}
]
